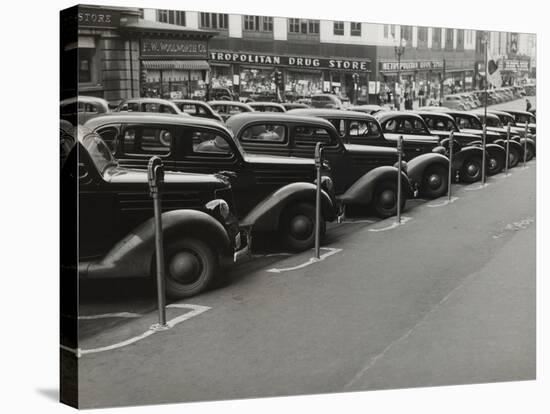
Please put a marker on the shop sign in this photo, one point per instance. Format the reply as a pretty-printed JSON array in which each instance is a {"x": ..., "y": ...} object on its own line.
[
  {"x": 516, "y": 65},
  {"x": 98, "y": 18},
  {"x": 290, "y": 61},
  {"x": 174, "y": 48},
  {"x": 408, "y": 65}
]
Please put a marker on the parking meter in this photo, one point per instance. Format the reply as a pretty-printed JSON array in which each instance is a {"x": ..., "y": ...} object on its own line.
[
  {"x": 155, "y": 176},
  {"x": 399, "y": 160},
  {"x": 483, "y": 147},
  {"x": 525, "y": 143},
  {"x": 450, "y": 175},
  {"x": 319, "y": 167},
  {"x": 508, "y": 131}
]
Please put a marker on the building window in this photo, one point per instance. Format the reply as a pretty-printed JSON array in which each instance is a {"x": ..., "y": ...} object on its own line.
[
  {"x": 436, "y": 38},
  {"x": 406, "y": 33},
  {"x": 460, "y": 39},
  {"x": 303, "y": 26},
  {"x": 313, "y": 26},
  {"x": 258, "y": 23},
  {"x": 449, "y": 38},
  {"x": 389, "y": 30},
  {"x": 171, "y": 16},
  {"x": 422, "y": 37},
  {"x": 85, "y": 65},
  {"x": 214, "y": 20},
  {"x": 355, "y": 29},
  {"x": 339, "y": 28}
]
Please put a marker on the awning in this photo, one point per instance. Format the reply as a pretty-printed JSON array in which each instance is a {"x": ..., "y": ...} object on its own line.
[{"x": 176, "y": 65}]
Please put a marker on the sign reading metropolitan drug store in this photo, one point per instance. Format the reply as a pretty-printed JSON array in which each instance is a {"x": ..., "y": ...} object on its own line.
[{"x": 291, "y": 61}]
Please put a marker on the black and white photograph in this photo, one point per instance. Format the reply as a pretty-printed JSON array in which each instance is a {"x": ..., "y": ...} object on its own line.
[{"x": 260, "y": 206}]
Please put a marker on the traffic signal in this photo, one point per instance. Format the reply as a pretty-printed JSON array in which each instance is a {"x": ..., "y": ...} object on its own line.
[
  {"x": 277, "y": 79},
  {"x": 143, "y": 80}
]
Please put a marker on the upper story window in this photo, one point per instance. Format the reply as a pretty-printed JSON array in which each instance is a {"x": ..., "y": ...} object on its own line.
[
  {"x": 339, "y": 28},
  {"x": 214, "y": 20},
  {"x": 389, "y": 31},
  {"x": 449, "y": 38},
  {"x": 422, "y": 37},
  {"x": 171, "y": 16},
  {"x": 460, "y": 39},
  {"x": 303, "y": 26},
  {"x": 355, "y": 29},
  {"x": 258, "y": 23},
  {"x": 436, "y": 38},
  {"x": 407, "y": 34}
]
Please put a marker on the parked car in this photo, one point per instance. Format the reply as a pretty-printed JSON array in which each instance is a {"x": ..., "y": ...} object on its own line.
[
  {"x": 471, "y": 123},
  {"x": 368, "y": 109},
  {"x": 116, "y": 226},
  {"x": 221, "y": 94},
  {"x": 442, "y": 124},
  {"x": 272, "y": 194},
  {"x": 267, "y": 107},
  {"x": 364, "y": 177},
  {"x": 197, "y": 108},
  {"x": 530, "y": 89},
  {"x": 79, "y": 109},
  {"x": 453, "y": 102},
  {"x": 419, "y": 140},
  {"x": 294, "y": 105},
  {"x": 521, "y": 117},
  {"x": 427, "y": 174},
  {"x": 326, "y": 100},
  {"x": 229, "y": 108},
  {"x": 155, "y": 105}
]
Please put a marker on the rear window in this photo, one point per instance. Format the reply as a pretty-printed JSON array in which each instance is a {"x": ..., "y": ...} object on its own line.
[
  {"x": 265, "y": 132},
  {"x": 309, "y": 136}
]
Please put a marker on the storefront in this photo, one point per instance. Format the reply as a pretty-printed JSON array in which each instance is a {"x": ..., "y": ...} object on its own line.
[
  {"x": 514, "y": 71},
  {"x": 252, "y": 74}
]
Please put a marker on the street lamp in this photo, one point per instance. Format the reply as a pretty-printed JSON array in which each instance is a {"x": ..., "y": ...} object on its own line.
[{"x": 399, "y": 51}]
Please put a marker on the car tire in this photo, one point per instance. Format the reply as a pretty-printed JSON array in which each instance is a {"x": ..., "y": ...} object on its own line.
[
  {"x": 471, "y": 170},
  {"x": 384, "y": 202},
  {"x": 513, "y": 157},
  {"x": 495, "y": 164},
  {"x": 297, "y": 227},
  {"x": 190, "y": 266},
  {"x": 530, "y": 152},
  {"x": 434, "y": 181}
]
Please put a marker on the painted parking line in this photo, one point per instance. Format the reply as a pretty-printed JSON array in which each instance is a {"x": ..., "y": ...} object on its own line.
[
  {"x": 444, "y": 202},
  {"x": 515, "y": 226},
  {"x": 347, "y": 221},
  {"x": 393, "y": 225},
  {"x": 195, "y": 310},
  {"x": 110, "y": 315},
  {"x": 331, "y": 251},
  {"x": 476, "y": 187}
]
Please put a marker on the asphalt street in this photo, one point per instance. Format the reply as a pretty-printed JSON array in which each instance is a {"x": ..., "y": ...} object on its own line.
[{"x": 448, "y": 297}]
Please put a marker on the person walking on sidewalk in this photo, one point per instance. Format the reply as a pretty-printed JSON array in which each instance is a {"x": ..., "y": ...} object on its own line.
[{"x": 528, "y": 104}]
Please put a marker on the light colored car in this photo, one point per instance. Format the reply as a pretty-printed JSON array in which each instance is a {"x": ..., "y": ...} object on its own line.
[
  {"x": 454, "y": 102},
  {"x": 82, "y": 108}
]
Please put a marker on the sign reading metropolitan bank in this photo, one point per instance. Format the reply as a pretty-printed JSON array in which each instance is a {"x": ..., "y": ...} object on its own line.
[
  {"x": 174, "y": 48},
  {"x": 292, "y": 61},
  {"x": 411, "y": 65}
]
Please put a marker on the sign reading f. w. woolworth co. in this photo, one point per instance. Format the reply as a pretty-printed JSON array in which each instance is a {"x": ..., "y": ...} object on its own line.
[{"x": 174, "y": 48}]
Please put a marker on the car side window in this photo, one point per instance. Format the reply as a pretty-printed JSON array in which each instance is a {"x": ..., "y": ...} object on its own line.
[
  {"x": 418, "y": 127},
  {"x": 265, "y": 132},
  {"x": 311, "y": 135},
  {"x": 207, "y": 143},
  {"x": 358, "y": 128},
  {"x": 147, "y": 140},
  {"x": 391, "y": 126},
  {"x": 188, "y": 109},
  {"x": 131, "y": 107},
  {"x": 109, "y": 134},
  {"x": 165, "y": 109},
  {"x": 340, "y": 125}
]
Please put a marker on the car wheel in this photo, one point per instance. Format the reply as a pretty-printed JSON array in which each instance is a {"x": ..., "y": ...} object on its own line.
[
  {"x": 471, "y": 170},
  {"x": 513, "y": 157},
  {"x": 297, "y": 227},
  {"x": 530, "y": 152},
  {"x": 385, "y": 199},
  {"x": 190, "y": 266},
  {"x": 434, "y": 181},
  {"x": 495, "y": 163}
]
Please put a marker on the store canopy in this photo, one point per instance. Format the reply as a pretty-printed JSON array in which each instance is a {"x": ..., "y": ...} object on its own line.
[{"x": 176, "y": 65}]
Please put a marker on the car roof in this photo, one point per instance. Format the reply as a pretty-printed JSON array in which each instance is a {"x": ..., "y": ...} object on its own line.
[
  {"x": 385, "y": 115},
  {"x": 221, "y": 102},
  {"x": 497, "y": 112},
  {"x": 480, "y": 112},
  {"x": 253, "y": 104},
  {"x": 147, "y": 100},
  {"x": 189, "y": 101},
  {"x": 331, "y": 113},
  {"x": 441, "y": 114},
  {"x": 517, "y": 111},
  {"x": 85, "y": 99},
  {"x": 236, "y": 122},
  {"x": 454, "y": 112},
  {"x": 153, "y": 118}
]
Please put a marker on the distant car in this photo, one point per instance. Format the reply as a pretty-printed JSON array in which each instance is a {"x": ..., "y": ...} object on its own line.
[
  {"x": 197, "y": 108},
  {"x": 221, "y": 94},
  {"x": 228, "y": 108},
  {"x": 306, "y": 101},
  {"x": 155, "y": 105},
  {"x": 294, "y": 105},
  {"x": 267, "y": 107},
  {"x": 454, "y": 102},
  {"x": 82, "y": 108},
  {"x": 326, "y": 100}
]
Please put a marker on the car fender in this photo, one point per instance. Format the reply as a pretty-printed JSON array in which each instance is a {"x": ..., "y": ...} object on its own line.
[
  {"x": 265, "y": 216},
  {"x": 517, "y": 145},
  {"x": 528, "y": 140},
  {"x": 361, "y": 192},
  {"x": 417, "y": 166},
  {"x": 495, "y": 150},
  {"x": 132, "y": 256},
  {"x": 464, "y": 154}
]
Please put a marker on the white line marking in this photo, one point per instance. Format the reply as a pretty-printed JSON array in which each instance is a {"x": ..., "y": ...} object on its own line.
[
  {"x": 258, "y": 256},
  {"x": 444, "y": 203},
  {"x": 358, "y": 221},
  {"x": 479, "y": 187},
  {"x": 322, "y": 257},
  {"x": 394, "y": 224},
  {"x": 111, "y": 315},
  {"x": 195, "y": 310}
]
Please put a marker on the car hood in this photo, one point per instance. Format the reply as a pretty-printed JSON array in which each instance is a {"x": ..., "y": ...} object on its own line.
[
  {"x": 370, "y": 149},
  {"x": 276, "y": 159},
  {"x": 119, "y": 175}
]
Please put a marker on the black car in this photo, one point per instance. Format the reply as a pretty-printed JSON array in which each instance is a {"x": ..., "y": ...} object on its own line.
[
  {"x": 271, "y": 193},
  {"x": 115, "y": 220},
  {"x": 521, "y": 117},
  {"x": 197, "y": 108},
  {"x": 267, "y": 107},
  {"x": 428, "y": 173},
  {"x": 364, "y": 177},
  {"x": 229, "y": 108},
  {"x": 418, "y": 140}
]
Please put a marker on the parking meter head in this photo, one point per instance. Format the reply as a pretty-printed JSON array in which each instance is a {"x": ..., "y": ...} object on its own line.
[{"x": 155, "y": 173}]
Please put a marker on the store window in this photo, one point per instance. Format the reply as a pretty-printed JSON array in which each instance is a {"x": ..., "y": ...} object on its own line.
[
  {"x": 449, "y": 39},
  {"x": 303, "y": 84},
  {"x": 171, "y": 16},
  {"x": 355, "y": 29},
  {"x": 86, "y": 61},
  {"x": 221, "y": 77},
  {"x": 436, "y": 38},
  {"x": 339, "y": 28},
  {"x": 422, "y": 37},
  {"x": 256, "y": 81},
  {"x": 214, "y": 21}
]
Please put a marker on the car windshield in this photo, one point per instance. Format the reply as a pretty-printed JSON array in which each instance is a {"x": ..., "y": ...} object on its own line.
[{"x": 99, "y": 152}]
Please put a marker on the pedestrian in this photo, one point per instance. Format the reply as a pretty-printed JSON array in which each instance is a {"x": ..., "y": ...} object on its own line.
[{"x": 528, "y": 103}]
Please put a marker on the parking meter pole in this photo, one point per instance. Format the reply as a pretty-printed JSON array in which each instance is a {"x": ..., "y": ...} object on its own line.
[
  {"x": 507, "y": 149},
  {"x": 399, "y": 159},
  {"x": 483, "y": 157},
  {"x": 155, "y": 174},
  {"x": 318, "y": 166},
  {"x": 450, "y": 174},
  {"x": 525, "y": 144}
]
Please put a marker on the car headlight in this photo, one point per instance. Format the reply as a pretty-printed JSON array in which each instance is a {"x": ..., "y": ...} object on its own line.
[
  {"x": 218, "y": 206},
  {"x": 327, "y": 184}
]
